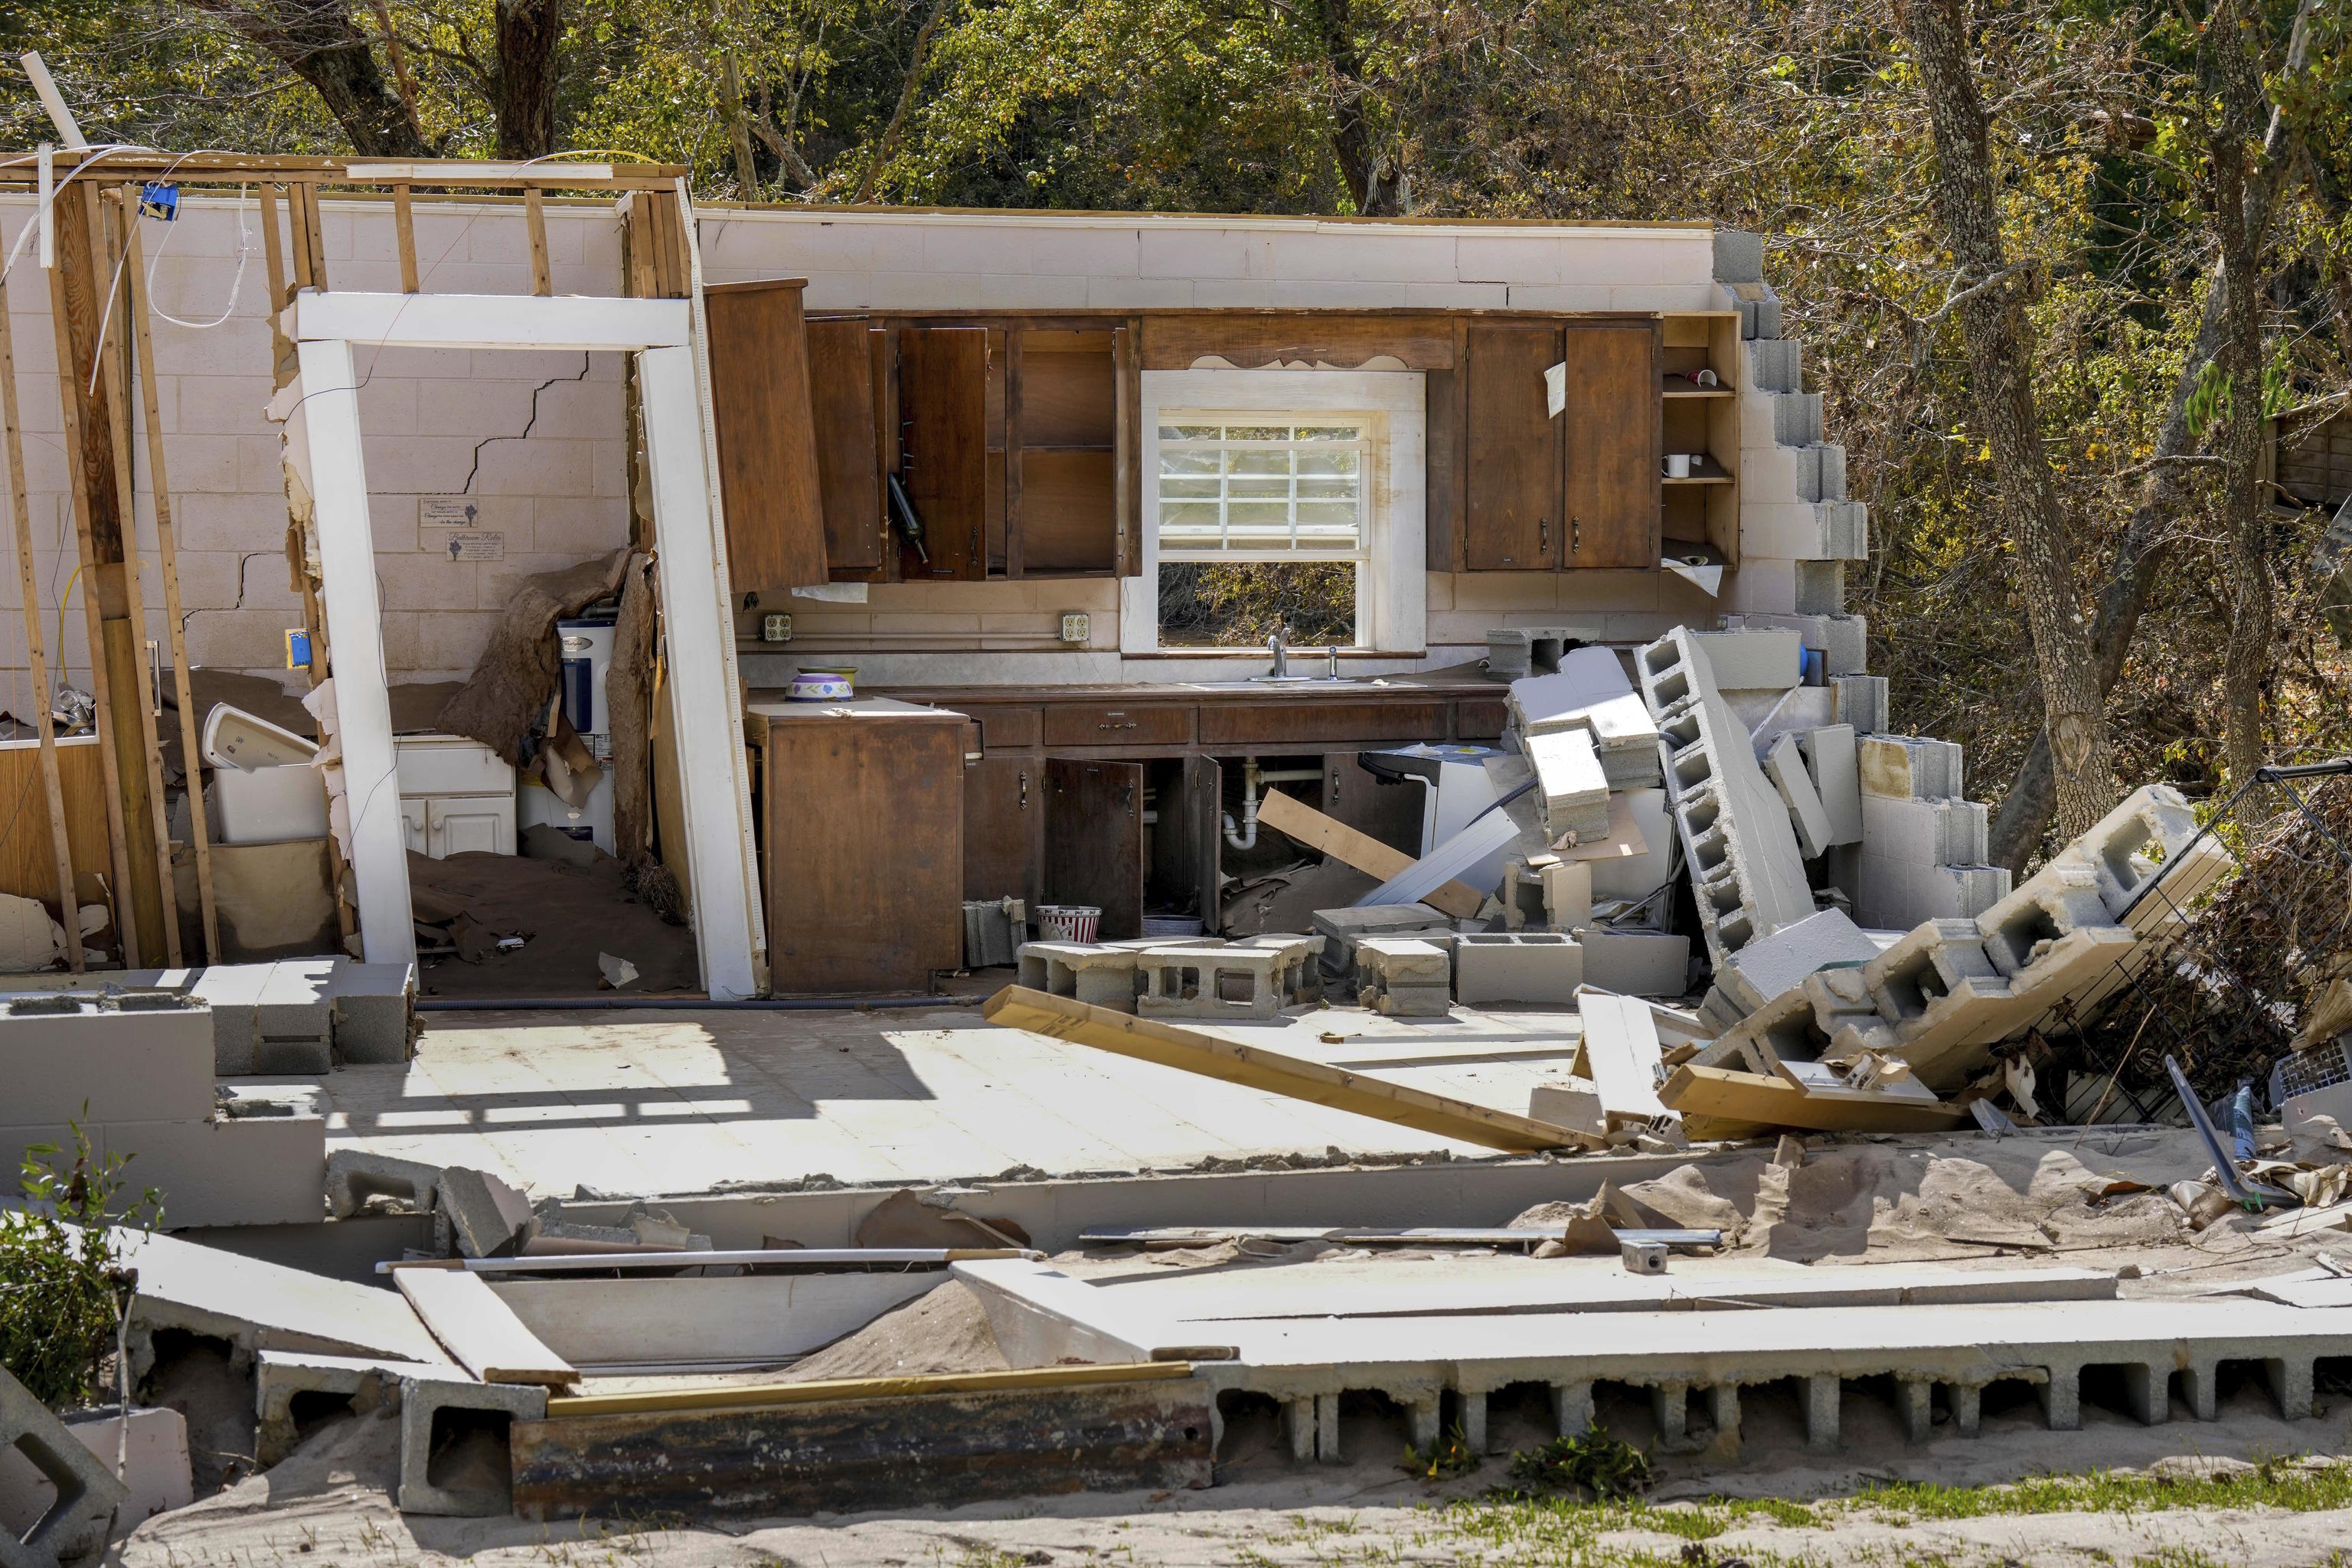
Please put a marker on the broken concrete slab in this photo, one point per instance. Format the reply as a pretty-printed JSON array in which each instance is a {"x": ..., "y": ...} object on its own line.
[
  {"x": 1529, "y": 969},
  {"x": 85, "y": 1494},
  {"x": 355, "y": 1177},
  {"x": 1341, "y": 930},
  {"x": 1832, "y": 759},
  {"x": 1569, "y": 1102},
  {"x": 487, "y": 1216},
  {"x": 1785, "y": 765}
]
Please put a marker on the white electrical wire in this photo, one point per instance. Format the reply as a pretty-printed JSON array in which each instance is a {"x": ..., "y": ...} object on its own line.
[{"x": 237, "y": 285}]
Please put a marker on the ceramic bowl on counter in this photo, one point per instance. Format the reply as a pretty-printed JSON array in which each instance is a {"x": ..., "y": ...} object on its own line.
[{"x": 832, "y": 683}]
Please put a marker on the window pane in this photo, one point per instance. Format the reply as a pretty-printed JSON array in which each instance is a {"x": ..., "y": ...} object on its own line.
[
  {"x": 1340, "y": 490},
  {"x": 1258, "y": 460},
  {"x": 1326, "y": 432},
  {"x": 1257, "y": 433},
  {"x": 1261, "y": 486},
  {"x": 1239, "y": 604},
  {"x": 1172, "y": 489},
  {"x": 1327, "y": 460},
  {"x": 1183, "y": 461},
  {"x": 1191, "y": 432}
]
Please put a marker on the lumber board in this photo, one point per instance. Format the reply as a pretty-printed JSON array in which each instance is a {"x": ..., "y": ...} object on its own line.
[
  {"x": 1254, "y": 1067},
  {"x": 1715, "y": 1095},
  {"x": 480, "y": 1331},
  {"x": 1328, "y": 836}
]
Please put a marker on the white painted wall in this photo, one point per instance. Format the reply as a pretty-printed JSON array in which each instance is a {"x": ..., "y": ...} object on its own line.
[{"x": 556, "y": 495}]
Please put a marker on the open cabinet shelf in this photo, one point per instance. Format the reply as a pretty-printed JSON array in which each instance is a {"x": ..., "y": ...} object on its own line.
[{"x": 1703, "y": 507}]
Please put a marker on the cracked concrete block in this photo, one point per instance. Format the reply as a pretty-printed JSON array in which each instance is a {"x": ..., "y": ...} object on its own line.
[
  {"x": 374, "y": 1012},
  {"x": 85, "y": 1492},
  {"x": 1635, "y": 963},
  {"x": 369, "y": 1384},
  {"x": 1783, "y": 1028},
  {"x": 1739, "y": 256},
  {"x": 1776, "y": 364},
  {"x": 486, "y": 1216},
  {"x": 1532, "y": 969},
  {"x": 1859, "y": 702},
  {"x": 1573, "y": 1102},
  {"x": 1403, "y": 976},
  {"x": 1747, "y": 872},
  {"x": 1821, "y": 587},
  {"x": 1776, "y": 963},
  {"x": 1785, "y": 765},
  {"x": 433, "y": 1410},
  {"x": 1909, "y": 767},
  {"x": 1100, "y": 977},
  {"x": 355, "y": 1175},
  {"x": 1832, "y": 762},
  {"x": 1216, "y": 982},
  {"x": 1341, "y": 930}
]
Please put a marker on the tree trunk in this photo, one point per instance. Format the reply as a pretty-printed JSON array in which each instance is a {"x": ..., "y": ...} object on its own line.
[
  {"x": 529, "y": 32},
  {"x": 888, "y": 141},
  {"x": 317, "y": 41},
  {"x": 1376, "y": 183},
  {"x": 739, "y": 129},
  {"x": 2027, "y": 806},
  {"x": 2000, "y": 339}
]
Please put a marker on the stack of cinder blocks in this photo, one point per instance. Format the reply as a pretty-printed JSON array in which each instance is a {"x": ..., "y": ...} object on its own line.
[
  {"x": 1403, "y": 976},
  {"x": 1923, "y": 847},
  {"x": 1192, "y": 977},
  {"x": 1741, "y": 853}
]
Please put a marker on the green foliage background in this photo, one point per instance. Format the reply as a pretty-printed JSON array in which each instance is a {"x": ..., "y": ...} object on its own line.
[{"x": 1801, "y": 121}]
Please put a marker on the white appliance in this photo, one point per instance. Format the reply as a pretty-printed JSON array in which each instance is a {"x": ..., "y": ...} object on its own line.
[
  {"x": 456, "y": 797},
  {"x": 535, "y": 804},
  {"x": 585, "y": 648},
  {"x": 264, "y": 790}
]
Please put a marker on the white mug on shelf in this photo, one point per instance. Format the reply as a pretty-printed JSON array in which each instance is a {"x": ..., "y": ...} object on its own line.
[{"x": 1679, "y": 465}]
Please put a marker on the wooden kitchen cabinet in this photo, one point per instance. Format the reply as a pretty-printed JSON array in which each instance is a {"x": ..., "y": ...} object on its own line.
[
  {"x": 862, "y": 863},
  {"x": 943, "y": 448},
  {"x": 763, "y": 423},
  {"x": 1004, "y": 827},
  {"x": 1610, "y": 433},
  {"x": 1511, "y": 521},
  {"x": 1094, "y": 840},
  {"x": 848, "y": 466}
]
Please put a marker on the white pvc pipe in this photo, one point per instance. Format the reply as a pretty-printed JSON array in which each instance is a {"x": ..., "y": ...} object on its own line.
[{"x": 1244, "y": 837}]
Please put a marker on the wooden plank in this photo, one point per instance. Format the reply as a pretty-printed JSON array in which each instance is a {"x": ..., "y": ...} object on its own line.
[
  {"x": 1327, "y": 836},
  {"x": 1511, "y": 511},
  {"x": 29, "y": 597},
  {"x": 480, "y": 1331},
  {"x": 841, "y": 404},
  {"x": 167, "y": 548},
  {"x": 314, "y": 242},
  {"x": 825, "y": 1391},
  {"x": 767, "y": 437},
  {"x": 534, "y": 214},
  {"x": 1094, "y": 839},
  {"x": 1254, "y": 1067},
  {"x": 1133, "y": 1434},
  {"x": 130, "y": 631},
  {"x": 943, "y": 413},
  {"x": 72, "y": 315},
  {"x": 1717, "y": 1103},
  {"x": 273, "y": 250},
  {"x": 404, "y": 228},
  {"x": 1250, "y": 340},
  {"x": 1127, "y": 467},
  {"x": 1611, "y": 433}
]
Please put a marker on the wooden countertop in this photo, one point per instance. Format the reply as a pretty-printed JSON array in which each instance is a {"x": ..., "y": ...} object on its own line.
[{"x": 1455, "y": 680}]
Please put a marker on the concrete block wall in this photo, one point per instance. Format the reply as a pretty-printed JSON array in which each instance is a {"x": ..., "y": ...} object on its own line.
[{"x": 454, "y": 424}]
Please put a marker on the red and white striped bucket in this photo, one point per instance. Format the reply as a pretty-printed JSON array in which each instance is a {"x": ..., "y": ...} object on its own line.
[{"x": 1068, "y": 922}]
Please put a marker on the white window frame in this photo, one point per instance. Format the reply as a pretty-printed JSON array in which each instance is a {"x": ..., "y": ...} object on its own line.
[{"x": 1392, "y": 583}]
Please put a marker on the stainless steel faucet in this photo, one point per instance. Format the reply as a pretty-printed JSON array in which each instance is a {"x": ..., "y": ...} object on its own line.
[
  {"x": 1275, "y": 646},
  {"x": 1334, "y": 661}
]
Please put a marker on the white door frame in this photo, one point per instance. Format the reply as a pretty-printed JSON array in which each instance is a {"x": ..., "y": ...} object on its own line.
[{"x": 689, "y": 543}]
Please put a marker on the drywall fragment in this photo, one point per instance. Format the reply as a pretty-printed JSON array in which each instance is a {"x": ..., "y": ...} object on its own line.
[
  {"x": 1832, "y": 758},
  {"x": 91, "y": 1494},
  {"x": 480, "y": 1331},
  {"x": 618, "y": 973},
  {"x": 1786, "y": 766},
  {"x": 1532, "y": 969},
  {"x": 1620, "y": 1053},
  {"x": 1569, "y": 1102}
]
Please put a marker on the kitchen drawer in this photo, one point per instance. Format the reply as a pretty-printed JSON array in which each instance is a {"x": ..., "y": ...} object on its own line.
[
  {"x": 1262, "y": 724},
  {"x": 1008, "y": 729},
  {"x": 1125, "y": 724}
]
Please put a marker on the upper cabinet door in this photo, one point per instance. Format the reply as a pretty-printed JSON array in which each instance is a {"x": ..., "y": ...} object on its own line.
[
  {"x": 841, "y": 394},
  {"x": 1511, "y": 444},
  {"x": 767, "y": 445},
  {"x": 1612, "y": 429},
  {"x": 943, "y": 447}
]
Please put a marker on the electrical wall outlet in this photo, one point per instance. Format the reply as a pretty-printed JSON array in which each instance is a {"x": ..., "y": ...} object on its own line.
[
  {"x": 775, "y": 628},
  {"x": 1076, "y": 626}
]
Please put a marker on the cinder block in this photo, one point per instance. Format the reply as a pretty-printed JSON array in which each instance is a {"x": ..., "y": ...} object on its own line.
[
  {"x": 1513, "y": 653},
  {"x": 374, "y": 1012},
  {"x": 1796, "y": 418},
  {"x": 1842, "y": 641},
  {"x": 1301, "y": 976},
  {"x": 1777, "y": 365},
  {"x": 1776, "y": 963},
  {"x": 87, "y": 1494},
  {"x": 486, "y": 1216},
  {"x": 1785, "y": 765},
  {"x": 1403, "y": 976},
  {"x": 246, "y": 1169},
  {"x": 233, "y": 991},
  {"x": 1573, "y": 791},
  {"x": 297, "y": 1001},
  {"x": 426, "y": 1403},
  {"x": 1533, "y": 969},
  {"x": 1100, "y": 977},
  {"x": 1342, "y": 929},
  {"x": 1924, "y": 832},
  {"x": 1909, "y": 767},
  {"x": 993, "y": 930},
  {"x": 68, "y": 1056},
  {"x": 1567, "y": 894},
  {"x": 1220, "y": 981},
  {"x": 356, "y": 1175},
  {"x": 2127, "y": 849},
  {"x": 1760, "y": 309},
  {"x": 278, "y": 1375},
  {"x": 1749, "y": 660},
  {"x": 1635, "y": 963},
  {"x": 1832, "y": 759},
  {"x": 1859, "y": 702},
  {"x": 1821, "y": 587},
  {"x": 1739, "y": 256}
]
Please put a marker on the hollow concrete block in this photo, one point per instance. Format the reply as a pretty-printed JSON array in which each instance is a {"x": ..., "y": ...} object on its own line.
[
  {"x": 1909, "y": 767},
  {"x": 1832, "y": 760},
  {"x": 2061, "y": 1394},
  {"x": 1823, "y": 1393},
  {"x": 1571, "y": 1408},
  {"x": 422, "y": 1398},
  {"x": 1214, "y": 982},
  {"x": 1860, "y": 701},
  {"x": 86, "y": 1494},
  {"x": 279, "y": 1375},
  {"x": 1635, "y": 963},
  {"x": 1528, "y": 968}
]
